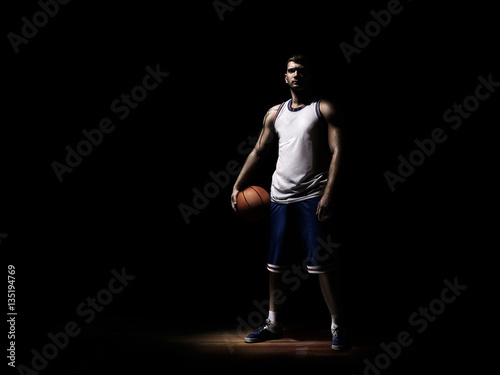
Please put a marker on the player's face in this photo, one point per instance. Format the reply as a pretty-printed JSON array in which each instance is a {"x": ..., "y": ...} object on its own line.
[{"x": 296, "y": 76}]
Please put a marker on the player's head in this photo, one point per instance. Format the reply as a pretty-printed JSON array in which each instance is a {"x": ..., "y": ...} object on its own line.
[{"x": 297, "y": 75}]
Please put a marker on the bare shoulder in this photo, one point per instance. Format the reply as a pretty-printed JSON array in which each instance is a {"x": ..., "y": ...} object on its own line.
[
  {"x": 271, "y": 113},
  {"x": 274, "y": 109},
  {"x": 327, "y": 108}
]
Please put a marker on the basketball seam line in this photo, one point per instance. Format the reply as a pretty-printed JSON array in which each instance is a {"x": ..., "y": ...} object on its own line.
[
  {"x": 256, "y": 192},
  {"x": 248, "y": 204}
]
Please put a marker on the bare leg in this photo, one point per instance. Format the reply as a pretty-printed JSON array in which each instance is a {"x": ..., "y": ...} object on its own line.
[
  {"x": 277, "y": 291},
  {"x": 330, "y": 288},
  {"x": 271, "y": 329}
]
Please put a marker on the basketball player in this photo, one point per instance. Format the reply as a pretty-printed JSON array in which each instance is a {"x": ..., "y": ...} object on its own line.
[{"x": 309, "y": 149}]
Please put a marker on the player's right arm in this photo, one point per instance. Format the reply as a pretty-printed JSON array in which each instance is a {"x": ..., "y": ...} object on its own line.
[{"x": 258, "y": 154}]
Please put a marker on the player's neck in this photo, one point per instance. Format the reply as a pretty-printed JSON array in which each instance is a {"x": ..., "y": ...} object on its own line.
[{"x": 301, "y": 98}]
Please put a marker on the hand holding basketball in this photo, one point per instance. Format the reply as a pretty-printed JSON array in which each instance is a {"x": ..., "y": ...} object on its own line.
[
  {"x": 234, "y": 199},
  {"x": 251, "y": 203}
]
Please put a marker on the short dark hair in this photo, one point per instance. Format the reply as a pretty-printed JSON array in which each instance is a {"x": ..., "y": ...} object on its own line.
[{"x": 299, "y": 59}]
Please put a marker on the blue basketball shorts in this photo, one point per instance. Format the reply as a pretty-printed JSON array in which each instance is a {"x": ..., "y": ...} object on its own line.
[{"x": 297, "y": 234}]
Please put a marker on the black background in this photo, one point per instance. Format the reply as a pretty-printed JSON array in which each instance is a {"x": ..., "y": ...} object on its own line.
[{"x": 120, "y": 206}]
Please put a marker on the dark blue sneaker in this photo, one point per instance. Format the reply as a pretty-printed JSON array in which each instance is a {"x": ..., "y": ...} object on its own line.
[
  {"x": 267, "y": 331},
  {"x": 340, "y": 340}
]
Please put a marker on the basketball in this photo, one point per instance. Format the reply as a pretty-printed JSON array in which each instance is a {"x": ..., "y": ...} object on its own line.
[{"x": 253, "y": 203}]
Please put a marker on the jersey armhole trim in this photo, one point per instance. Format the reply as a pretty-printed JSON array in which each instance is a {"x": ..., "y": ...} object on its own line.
[
  {"x": 319, "y": 114},
  {"x": 318, "y": 111},
  {"x": 278, "y": 112}
]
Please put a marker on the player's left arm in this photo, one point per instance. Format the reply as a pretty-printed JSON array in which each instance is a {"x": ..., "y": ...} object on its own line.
[{"x": 329, "y": 113}]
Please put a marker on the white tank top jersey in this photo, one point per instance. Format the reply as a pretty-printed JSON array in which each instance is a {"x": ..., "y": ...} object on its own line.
[{"x": 303, "y": 153}]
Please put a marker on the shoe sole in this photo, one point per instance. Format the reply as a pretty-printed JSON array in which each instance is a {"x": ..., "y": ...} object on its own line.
[
  {"x": 254, "y": 340},
  {"x": 341, "y": 347}
]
